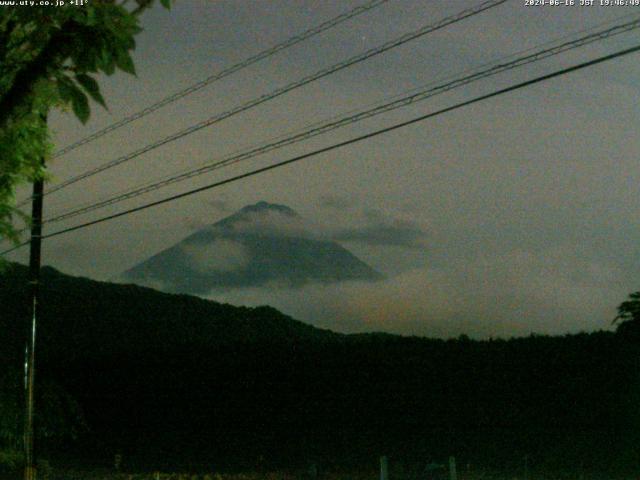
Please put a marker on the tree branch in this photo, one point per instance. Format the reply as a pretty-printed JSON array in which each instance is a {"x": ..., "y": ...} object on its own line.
[
  {"x": 142, "y": 6},
  {"x": 52, "y": 55}
]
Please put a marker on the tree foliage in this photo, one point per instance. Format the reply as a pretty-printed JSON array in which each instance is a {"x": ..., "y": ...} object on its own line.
[
  {"x": 629, "y": 316},
  {"x": 49, "y": 58},
  {"x": 175, "y": 381},
  {"x": 630, "y": 310},
  {"x": 59, "y": 417}
]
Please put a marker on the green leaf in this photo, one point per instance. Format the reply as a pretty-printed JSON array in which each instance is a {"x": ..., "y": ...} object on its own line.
[
  {"x": 65, "y": 89},
  {"x": 86, "y": 59},
  {"x": 166, "y": 4},
  {"x": 92, "y": 18},
  {"x": 80, "y": 106},
  {"x": 70, "y": 93},
  {"x": 125, "y": 63},
  {"x": 106, "y": 62},
  {"x": 91, "y": 87}
]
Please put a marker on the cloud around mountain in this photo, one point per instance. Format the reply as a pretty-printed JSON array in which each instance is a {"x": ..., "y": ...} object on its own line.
[
  {"x": 267, "y": 254},
  {"x": 219, "y": 255},
  {"x": 513, "y": 294},
  {"x": 394, "y": 234},
  {"x": 261, "y": 244}
]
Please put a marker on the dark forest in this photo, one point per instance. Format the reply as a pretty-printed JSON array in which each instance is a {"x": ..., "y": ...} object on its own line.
[{"x": 177, "y": 382}]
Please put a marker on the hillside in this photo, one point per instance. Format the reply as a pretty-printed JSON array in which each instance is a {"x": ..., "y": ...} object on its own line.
[
  {"x": 81, "y": 316},
  {"x": 175, "y": 381}
]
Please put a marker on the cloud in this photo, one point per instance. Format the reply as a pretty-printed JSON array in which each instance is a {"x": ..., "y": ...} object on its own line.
[
  {"x": 192, "y": 223},
  {"x": 512, "y": 294},
  {"x": 274, "y": 222},
  {"x": 367, "y": 227},
  {"x": 336, "y": 202},
  {"x": 374, "y": 228},
  {"x": 220, "y": 205},
  {"x": 396, "y": 233},
  {"x": 219, "y": 255}
]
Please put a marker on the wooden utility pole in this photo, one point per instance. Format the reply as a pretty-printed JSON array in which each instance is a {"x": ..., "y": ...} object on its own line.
[
  {"x": 30, "y": 347},
  {"x": 384, "y": 468},
  {"x": 453, "y": 474}
]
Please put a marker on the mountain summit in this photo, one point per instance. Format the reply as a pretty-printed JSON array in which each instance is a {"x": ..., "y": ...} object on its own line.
[{"x": 259, "y": 245}]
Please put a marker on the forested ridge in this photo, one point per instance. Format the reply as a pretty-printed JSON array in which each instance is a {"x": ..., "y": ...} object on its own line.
[{"x": 173, "y": 381}]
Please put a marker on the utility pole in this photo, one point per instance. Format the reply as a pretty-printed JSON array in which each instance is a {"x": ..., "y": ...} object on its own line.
[
  {"x": 384, "y": 468},
  {"x": 30, "y": 347}
]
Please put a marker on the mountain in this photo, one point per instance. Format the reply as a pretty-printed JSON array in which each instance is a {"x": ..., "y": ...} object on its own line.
[
  {"x": 176, "y": 382},
  {"x": 138, "y": 360},
  {"x": 86, "y": 317},
  {"x": 261, "y": 244}
]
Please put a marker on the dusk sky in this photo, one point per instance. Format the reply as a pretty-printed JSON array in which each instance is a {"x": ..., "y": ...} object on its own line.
[{"x": 518, "y": 214}]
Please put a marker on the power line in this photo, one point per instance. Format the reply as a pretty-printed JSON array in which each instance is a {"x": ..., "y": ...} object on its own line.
[
  {"x": 418, "y": 96},
  {"x": 224, "y": 73},
  {"x": 360, "y": 138},
  {"x": 285, "y": 89}
]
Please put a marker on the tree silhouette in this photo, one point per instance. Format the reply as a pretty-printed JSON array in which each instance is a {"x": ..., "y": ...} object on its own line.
[
  {"x": 60, "y": 417},
  {"x": 628, "y": 317}
]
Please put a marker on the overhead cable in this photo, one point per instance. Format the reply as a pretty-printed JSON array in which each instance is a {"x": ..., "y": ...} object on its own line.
[
  {"x": 350, "y": 119},
  {"x": 282, "y": 90},
  {"x": 224, "y": 73},
  {"x": 351, "y": 141}
]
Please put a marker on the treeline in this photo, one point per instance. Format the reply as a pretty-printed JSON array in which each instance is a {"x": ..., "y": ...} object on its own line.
[{"x": 176, "y": 382}]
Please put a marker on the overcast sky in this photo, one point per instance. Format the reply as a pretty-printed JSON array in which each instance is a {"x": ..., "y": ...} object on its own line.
[{"x": 515, "y": 215}]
